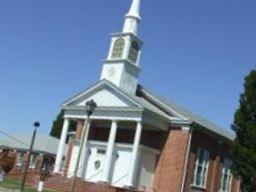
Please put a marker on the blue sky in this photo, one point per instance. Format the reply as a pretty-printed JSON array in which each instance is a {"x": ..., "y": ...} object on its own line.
[{"x": 196, "y": 53}]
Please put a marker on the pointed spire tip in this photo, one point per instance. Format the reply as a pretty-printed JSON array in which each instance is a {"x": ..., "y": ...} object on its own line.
[{"x": 135, "y": 9}]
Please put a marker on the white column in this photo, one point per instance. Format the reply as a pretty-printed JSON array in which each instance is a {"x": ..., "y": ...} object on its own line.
[
  {"x": 62, "y": 145},
  {"x": 135, "y": 152},
  {"x": 83, "y": 163},
  {"x": 110, "y": 151}
]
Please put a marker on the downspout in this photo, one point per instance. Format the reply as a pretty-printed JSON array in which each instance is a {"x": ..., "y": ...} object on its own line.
[{"x": 186, "y": 161}]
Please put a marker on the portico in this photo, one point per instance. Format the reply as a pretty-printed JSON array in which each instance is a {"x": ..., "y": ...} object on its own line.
[{"x": 112, "y": 149}]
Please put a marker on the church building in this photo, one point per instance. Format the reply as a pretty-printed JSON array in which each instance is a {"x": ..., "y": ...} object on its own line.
[{"x": 135, "y": 139}]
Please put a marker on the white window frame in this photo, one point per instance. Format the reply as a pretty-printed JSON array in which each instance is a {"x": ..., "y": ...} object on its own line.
[
  {"x": 118, "y": 48},
  {"x": 33, "y": 161},
  {"x": 63, "y": 164},
  {"x": 20, "y": 159},
  {"x": 226, "y": 186},
  {"x": 204, "y": 169}
]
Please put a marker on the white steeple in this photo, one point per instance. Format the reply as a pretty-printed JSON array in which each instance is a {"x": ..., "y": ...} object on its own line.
[
  {"x": 122, "y": 64},
  {"x": 132, "y": 18}
]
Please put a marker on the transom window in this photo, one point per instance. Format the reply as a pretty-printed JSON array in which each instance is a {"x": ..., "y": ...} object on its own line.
[
  {"x": 201, "y": 168},
  {"x": 134, "y": 52},
  {"x": 101, "y": 151},
  {"x": 118, "y": 49},
  {"x": 226, "y": 177}
]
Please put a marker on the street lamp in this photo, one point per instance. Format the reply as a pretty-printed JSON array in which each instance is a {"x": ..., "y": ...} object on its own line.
[
  {"x": 89, "y": 107},
  {"x": 36, "y": 125}
]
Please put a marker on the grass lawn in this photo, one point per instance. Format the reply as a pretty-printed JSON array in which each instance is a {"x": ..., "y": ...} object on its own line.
[{"x": 14, "y": 184}]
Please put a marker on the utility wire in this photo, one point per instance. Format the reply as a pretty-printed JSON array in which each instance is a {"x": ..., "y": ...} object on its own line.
[{"x": 13, "y": 138}]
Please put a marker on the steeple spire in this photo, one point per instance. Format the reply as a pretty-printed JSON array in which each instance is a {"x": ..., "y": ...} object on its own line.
[
  {"x": 135, "y": 9},
  {"x": 132, "y": 18},
  {"x": 122, "y": 64}
]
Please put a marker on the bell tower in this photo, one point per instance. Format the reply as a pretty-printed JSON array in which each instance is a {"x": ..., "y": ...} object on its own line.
[{"x": 122, "y": 64}]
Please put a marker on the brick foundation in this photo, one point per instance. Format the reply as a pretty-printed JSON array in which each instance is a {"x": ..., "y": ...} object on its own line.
[{"x": 60, "y": 183}]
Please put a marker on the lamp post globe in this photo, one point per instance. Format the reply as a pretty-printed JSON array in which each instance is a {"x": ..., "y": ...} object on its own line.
[
  {"x": 90, "y": 107},
  {"x": 36, "y": 124}
]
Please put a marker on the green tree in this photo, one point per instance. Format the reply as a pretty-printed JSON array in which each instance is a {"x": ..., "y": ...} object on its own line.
[
  {"x": 244, "y": 148},
  {"x": 58, "y": 123}
]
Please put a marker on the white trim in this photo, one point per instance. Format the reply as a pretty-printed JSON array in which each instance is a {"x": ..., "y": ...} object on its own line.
[
  {"x": 226, "y": 167},
  {"x": 101, "y": 84},
  {"x": 33, "y": 161},
  {"x": 125, "y": 109},
  {"x": 62, "y": 145},
  {"x": 105, "y": 115},
  {"x": 186, "y": 158},
  {"x": 110, "y": 150},
  {"x": 20, "y": 159},
  {"x": 135, "y": 153},
  {"x": 122, "y": 145},
  {"x": 205, "y": 165},
  {"x": 104, "y": 118}
]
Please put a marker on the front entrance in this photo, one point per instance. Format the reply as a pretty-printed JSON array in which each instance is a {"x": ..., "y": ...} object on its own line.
[{"x": 95, "y": 162}]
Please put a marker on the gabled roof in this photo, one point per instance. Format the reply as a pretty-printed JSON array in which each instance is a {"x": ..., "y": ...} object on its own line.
[
  {"x": 184, "y": 113},
  {"x": 93, "y": 89},
  {"x": 43, "y": 143},
  {"x": 139, "y": 102},
  {"x": 148, "y": 100}
]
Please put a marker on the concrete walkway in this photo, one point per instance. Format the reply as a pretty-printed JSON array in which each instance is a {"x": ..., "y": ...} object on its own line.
[{"x": 8, "y": 190}]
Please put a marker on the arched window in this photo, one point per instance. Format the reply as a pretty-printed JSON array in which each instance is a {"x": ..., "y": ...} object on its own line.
[
  {"x": 118, "y": 49},
  {"x": 134, "y": 51}
]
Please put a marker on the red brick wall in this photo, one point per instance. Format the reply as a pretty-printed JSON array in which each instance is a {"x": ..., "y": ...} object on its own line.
[
  {"x": 69, "y": 154},
  {"x": 63, "y": 184},
  {"x": 17, "y": 169},
  {"x": 79, "y": 129},
  {"x": 78, "y": 134},
  {"x": 218, "y": 152},
  {"x": 169, "y": 169},
  {"x": 171, "y": 164}
]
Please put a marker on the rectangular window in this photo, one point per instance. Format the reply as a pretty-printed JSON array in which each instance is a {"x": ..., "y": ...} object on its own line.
[
  {"x": 201, "y": 168},
  {"x": 33, "y": 161},
  {"x": 226, "y": 177},
  {"x": 63, "y": 164},
  {"x": 20, "y": 159}
]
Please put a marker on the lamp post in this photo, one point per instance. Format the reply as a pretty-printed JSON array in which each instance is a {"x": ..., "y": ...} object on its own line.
[
  {"x": 36, "y": 125},
  {"x": 90, "y": 107}
]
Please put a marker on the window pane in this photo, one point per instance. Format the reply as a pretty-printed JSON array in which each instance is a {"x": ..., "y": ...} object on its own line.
[
  {"x": 20, "y": 159},
  {"x": 198, "y": 176},
  {"x": 226, "y": 176},
  {"x": 200, "y": 172},
  {"x": 201, "y": 157},
  {"x": 117, "y": 52},
  {"x": 134, "y": 51}
]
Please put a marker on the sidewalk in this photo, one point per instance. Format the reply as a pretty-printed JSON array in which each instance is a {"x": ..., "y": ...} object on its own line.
[{"x": 8, "y": 190}]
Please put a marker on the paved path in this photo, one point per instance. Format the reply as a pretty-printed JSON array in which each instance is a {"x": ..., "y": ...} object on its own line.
[{"x": 8, "y": 190}]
